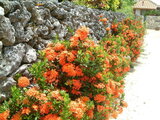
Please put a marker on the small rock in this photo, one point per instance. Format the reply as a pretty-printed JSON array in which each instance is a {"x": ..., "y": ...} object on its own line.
[
  {"x": 12, "y": 58},
  {"x": 7, "y": 32},
  {"x": 30, "y": 55},
  {"x": 22, "y": 69}
]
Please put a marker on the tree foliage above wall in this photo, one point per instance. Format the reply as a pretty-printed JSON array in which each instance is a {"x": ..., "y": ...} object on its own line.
[
  {"x": 100, "y": 4},
  {"x": 113, "y": 5},
  {"x": 127, "y": 7}
]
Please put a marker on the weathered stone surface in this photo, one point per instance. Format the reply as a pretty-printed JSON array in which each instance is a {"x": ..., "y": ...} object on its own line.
[
  {"x": 5, "y": 87},
  {"x": 30, "y": 55},
  {"x": 9, "y": 6},
  {"x": 20, "y": 15},
  {"x": 12, "y": 59},
  {"x": 6, "y": 32},
  {"x": 1, "y": 45},
  {"x": 22, "y": 34},
  {"x": 22, "y": 70},
  {"x": 6, "y": 5},
  {"x": 1, "y": 11},
  {"x": 153, "y": 22}
]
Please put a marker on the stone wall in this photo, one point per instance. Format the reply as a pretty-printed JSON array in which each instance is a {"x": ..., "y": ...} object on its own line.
[
  {"x": 28, "y": 25},
  {"x": 153, "y": 22}
]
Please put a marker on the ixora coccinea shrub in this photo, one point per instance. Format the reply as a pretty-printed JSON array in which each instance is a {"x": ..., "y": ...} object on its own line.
[
  {"x": 132, "y": 32},
  {"x": 77, "y": 79}
]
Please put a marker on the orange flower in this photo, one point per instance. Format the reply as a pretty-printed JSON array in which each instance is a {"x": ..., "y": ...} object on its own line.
[
  {"x": 69, "y": 68},
  {"x": 74, "y": 52},
  {"x": 76, "y": 84},
  {"x": 103, "y": 20},
  {"x": 17, "y": 116},
  {"x": 25, "y": 101},
  {"x": 100, "y": 85},
  {"x": 45, "y": 108},
  {"x": 78, "y": 108},
  {"x": 82, "y": 32},
  {"x": 115, "y": 114},
  {"x": 59, "y": 47},
  {"x": 99, "y": 98},
  {"x": 23, "y": 82},
  {"x": 26, "y": 110},
  {"x": 107, "y": 102},
  {"x": 74, "y": 41},
  {"x": 126, "y": 69},
  {"x": 114, "y": 26},
  {"x": 79, "y": 71},
  {"x": 124, "y": 104},
  {"x": 123, "y": 49},
  {"x": 4, "y": 115},
  {"x": 32, "y": 92},
  {"x": 99, "y": 75},
  {"x": 41, "y": 97},
  {"x": 50, "y": 76},
  {"x": 50, "y": 54},
  {"x": 75, "y": 92},
  {"x": 109, "y": 90},
  {"x": 100, "y": 108},
  {"x": 56, "y": 95},
  {"x": 51, "y": 117},
  {"x": 35, "y": 107},
  {"x": 90, "y": 114},
  {"x": 108, "y": 29},
  {"x": 70, "y": 57},
  {"x": 85, "y": 99},
  {"x": 111, "y": 87},
  {"x": 62, "y": 57}
]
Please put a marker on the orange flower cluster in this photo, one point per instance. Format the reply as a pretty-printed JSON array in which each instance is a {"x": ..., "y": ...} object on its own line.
[
  {"x": 69, "y": 68},
  {"x": 104, "y": 20},
  {"x": 23, "y": 82},
  {"x": 51, "y": 76},
  {"x": 17, "y": 116},
  {"x": 45, "y": 108},
  {"x": 132, "y": 31},
  {"x": 4, "y": 115},
  {"x": 99, "y": 98},
  {"x": 56, "y": 95},
  {"x": 51, "y": 117},
  {"x": 78, "y": 108},
  {"x": 82, "y": 33}
]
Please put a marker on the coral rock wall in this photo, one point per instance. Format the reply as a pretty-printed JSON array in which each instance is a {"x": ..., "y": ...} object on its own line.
[
  {"x": 26, "y": 26},
  {"x": 153, "y": 22}
]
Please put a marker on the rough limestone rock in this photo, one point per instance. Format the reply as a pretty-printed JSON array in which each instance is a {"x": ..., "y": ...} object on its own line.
[
  {"x": 1, "y": 45},
  {"x": 23, "y": 70},
  {"x": 5, "y": 87},
  {"x": 1, "y": 11},
  {"x": 20, "y": 15},
  {"x": 6, "y": 5},
  {"x": 6, "y": 32},
  {"x": 27, "y": 26},
  {"x": 12, "y": 59},
  {"x": 30, "y": 55}
]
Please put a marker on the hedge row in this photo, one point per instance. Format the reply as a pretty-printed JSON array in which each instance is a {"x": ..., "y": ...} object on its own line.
[{"x": 78, "y": 79}]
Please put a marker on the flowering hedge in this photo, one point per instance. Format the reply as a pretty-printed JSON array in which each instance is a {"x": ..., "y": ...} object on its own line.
[{"x": 77, "y": 79}]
